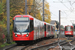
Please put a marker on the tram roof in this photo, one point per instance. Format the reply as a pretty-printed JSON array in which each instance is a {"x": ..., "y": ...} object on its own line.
[{"x": 23, "y": 16}]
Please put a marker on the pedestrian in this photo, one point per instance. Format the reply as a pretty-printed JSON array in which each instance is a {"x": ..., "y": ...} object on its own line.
[{"x": 57, "y": 33}]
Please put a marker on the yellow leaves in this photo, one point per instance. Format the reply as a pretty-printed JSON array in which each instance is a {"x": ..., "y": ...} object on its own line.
[
  {"x": 3, "y": 25},
  {"x": 47, "y": 12},
  {"x": 38, "y": 16},
  {"x": 0, "y": 25},
  {"x": 17, "y": 11},
  {"x": 30, "y": 2},
  {"x": 20, "y": 9},
  {"x": 47, "y": 5},
  {"x": 3, "y": 1}
]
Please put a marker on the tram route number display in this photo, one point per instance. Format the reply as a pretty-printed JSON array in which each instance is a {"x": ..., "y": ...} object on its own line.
[{"x": 22, "y": 19}]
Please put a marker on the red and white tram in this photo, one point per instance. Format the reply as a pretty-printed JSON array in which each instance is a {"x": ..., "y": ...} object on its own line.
[
  {"x": 69, "y": 31},
  {"x": 27, "y": 28}
]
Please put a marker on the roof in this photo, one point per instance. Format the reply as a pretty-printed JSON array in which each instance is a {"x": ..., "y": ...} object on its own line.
[{"x": 52, "y": 21}]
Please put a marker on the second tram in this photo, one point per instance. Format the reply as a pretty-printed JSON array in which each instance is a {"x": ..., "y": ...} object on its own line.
[{"x": 69, "y": 31}]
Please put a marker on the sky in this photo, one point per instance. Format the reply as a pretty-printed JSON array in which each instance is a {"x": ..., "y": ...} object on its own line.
[{"x": 67, "y": 11}]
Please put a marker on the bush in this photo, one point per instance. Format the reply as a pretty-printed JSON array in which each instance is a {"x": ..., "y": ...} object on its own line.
[{"x": 3, "y": 33}]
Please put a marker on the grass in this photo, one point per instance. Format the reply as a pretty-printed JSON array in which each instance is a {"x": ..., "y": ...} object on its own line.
[
  {"x": 6, "y": 44},
  {"x": 13, "y": 42},
  {"x": 2, "y": 45}
]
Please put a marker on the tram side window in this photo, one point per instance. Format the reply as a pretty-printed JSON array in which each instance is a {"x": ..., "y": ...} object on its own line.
[
  {"x": 52, "y": 28},
  {"x": 31, "y": 25},
  {"x": 45, "y": 27},
  {"x": 48, "y": 28}
]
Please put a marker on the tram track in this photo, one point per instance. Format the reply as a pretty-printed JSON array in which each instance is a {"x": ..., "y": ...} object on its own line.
[
  {"x": 34, "y": 45},
  {"x": 42, "y": 43},
  {"x": 47, "y": 45},
  {"x": 63, "y": 45},
  {"x": 17, "y": 47},
  {"x": 8, "y": 47},
  {"x": 52, "y": 45}
]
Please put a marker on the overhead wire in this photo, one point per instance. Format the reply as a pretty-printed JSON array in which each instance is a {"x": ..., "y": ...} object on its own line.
[
  {"x": 64, "y": 5},
  {"x": 70, "y": 9},
  {"x": 54, "y": 14}
]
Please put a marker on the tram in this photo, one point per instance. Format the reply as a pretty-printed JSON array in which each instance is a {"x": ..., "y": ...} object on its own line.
[
  {"x": 28, "y": 28},
  {"x": 69, "y": 31}
]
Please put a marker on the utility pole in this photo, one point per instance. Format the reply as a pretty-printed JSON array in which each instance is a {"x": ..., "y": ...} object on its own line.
[
  {"x": 43, "y": 10},
  {"x": 59, "y": 27},
  {"x": 26, "y": 7},
  {"x": 8, "y": 21}
]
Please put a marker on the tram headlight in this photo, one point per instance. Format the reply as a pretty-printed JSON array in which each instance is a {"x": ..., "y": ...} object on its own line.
[
  {"x": 16, "y": 35},
  {"x": 27, "y": 35},
  {"x": 69, "y": 33}
]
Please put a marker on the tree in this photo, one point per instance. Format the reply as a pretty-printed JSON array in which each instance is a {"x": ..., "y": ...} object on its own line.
[{"x": 47, "y": 12}]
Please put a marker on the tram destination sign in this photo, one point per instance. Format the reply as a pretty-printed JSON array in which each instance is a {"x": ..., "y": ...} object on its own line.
[{"x": 22, "y": 19}]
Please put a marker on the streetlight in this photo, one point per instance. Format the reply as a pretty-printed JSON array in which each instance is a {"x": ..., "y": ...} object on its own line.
[
  {"x": 8, "y": 21},
  {"x": 43, "y": 10},
  {"x": 26, "y": 7},
  {"x": 59, "y": 27}
]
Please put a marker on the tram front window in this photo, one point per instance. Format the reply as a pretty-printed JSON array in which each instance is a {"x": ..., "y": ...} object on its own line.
[
  {"x": 68, "y": 28},
  {"x": 21, "y": 27}
]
